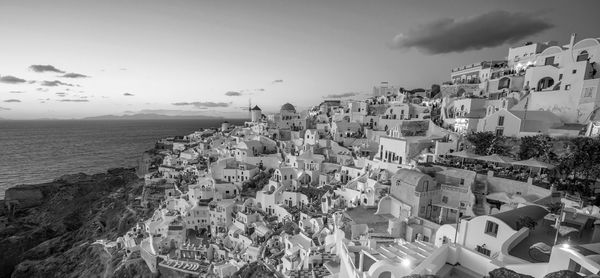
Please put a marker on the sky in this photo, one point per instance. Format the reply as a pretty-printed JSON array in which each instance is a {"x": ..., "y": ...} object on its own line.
[{"x": 73, "y": 59}]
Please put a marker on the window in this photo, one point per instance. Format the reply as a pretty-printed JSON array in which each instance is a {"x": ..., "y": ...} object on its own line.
[
  {"x": 499, "y": 132},
  {"x": 481, "y": 249},
  {"x": 574, "y": 266},
  {"x": 491, "y": 228},
  {"x": 549, "y": 61},
  {"x": 560, "y": 76},
  {"x": 583, "y": 56},
  {"x": 462, "y": 181},
  {"x": 444, "y": 199},
  {"x": 587, "y": 92},
  {"x": 574, "y": 71},
  {"x": 501, "y": 121},
  {"x": 567, "y": 87}
]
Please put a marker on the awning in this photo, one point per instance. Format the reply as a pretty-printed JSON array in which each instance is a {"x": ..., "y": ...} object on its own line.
[
  {"x": 533, "y": 163},
  {"x": 494, "y": 158}
]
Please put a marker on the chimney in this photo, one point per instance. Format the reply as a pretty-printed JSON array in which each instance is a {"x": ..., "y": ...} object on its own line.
[{"x": 572, "y": 42}]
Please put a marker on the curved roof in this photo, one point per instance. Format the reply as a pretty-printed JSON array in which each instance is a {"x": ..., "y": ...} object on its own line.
[
  {"x": 409, "y": 176},
  {"x": 512, "y": 216},
  {"x": 288, "y": 107}
]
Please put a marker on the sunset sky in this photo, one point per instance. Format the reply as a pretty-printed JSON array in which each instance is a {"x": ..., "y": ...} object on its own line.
[{"x": 72, "y": 59}]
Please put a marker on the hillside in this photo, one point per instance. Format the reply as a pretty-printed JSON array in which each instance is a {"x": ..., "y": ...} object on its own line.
[{"x": 53, "y": 232}]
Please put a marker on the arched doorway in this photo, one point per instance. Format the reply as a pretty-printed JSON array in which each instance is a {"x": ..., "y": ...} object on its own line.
[
  {"x": 545, "y": 83},
  {"x": 504, "y": 83}
]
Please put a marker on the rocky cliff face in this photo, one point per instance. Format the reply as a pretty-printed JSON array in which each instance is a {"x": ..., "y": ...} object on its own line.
[{"x": 53, "y": 234}]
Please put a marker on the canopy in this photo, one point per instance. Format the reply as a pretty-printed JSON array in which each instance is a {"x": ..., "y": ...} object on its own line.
[
  {"x": 464, "y": 154},
  {"x": 533, "y": 163},
  {"x": 496, "y": 159}
]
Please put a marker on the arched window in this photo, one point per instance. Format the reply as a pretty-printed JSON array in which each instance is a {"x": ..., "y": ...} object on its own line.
[{"x": 544, "y": 83}]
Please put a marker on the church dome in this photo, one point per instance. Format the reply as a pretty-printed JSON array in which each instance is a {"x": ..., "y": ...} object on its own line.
[{"x": 288, "y": 107}]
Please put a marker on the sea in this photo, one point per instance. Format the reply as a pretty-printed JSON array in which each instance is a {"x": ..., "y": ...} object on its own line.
[{"x": 40, "y": 151}]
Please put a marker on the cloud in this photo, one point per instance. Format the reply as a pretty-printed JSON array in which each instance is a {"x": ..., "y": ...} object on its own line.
[
  {"x": 61, "y": 94},
  {"x": 74, "y": 75},
  {"x": 16, "y": 92},
  {"x": 128, "y": 94},
  {"x": 233, "y": 94},
  {"x": 55, "y": 83},
  {"x": 171, "y": 112},
  {"x": 277, "y": 81},
  {"x": 45, "y": 68},
  {"x": 12, "y": 100},
  {"x": 202, "y": 105},
  {"x": 4, "y": 109},
  {"x": 472, "y": 33},
  {"x": 11, "y": 79},
  {"x": 342, "y": 95},
  {"x": 73, "y": 100}
]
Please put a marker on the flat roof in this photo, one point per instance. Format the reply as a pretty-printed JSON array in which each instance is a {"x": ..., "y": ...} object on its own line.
[{"x": 512, "y": 216}]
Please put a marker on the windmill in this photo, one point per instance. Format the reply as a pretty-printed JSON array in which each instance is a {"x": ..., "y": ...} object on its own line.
[{"x": 249, "y": 108}]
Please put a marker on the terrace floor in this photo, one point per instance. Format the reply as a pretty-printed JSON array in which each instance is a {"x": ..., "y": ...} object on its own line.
[{"x": 545, "y": 232}]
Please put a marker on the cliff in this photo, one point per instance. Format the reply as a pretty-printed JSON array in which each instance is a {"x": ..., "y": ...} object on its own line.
[{"x": 52, "y": 226}]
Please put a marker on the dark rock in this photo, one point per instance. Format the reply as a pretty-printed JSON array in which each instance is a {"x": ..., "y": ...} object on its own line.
[{"x": 53, "y": 237}]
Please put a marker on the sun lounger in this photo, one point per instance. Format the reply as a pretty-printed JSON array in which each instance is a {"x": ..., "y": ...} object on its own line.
[{"x": 540, "y": 247}]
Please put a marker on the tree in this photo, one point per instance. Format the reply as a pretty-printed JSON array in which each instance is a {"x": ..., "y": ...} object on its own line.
[
  {"x": 487, "y": 143},
  {"x": 539, "y": 146},
  {"x": 579, "y": 165},
  {"x": 506, "y": 273},
  {"x": 435, "y": 89},
  {"x": 526, "y": 222}
]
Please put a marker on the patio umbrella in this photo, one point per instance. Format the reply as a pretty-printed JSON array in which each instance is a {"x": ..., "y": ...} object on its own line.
[
  {"x": 494, "y": 158},
  {"x": 534, "y": 163}
]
